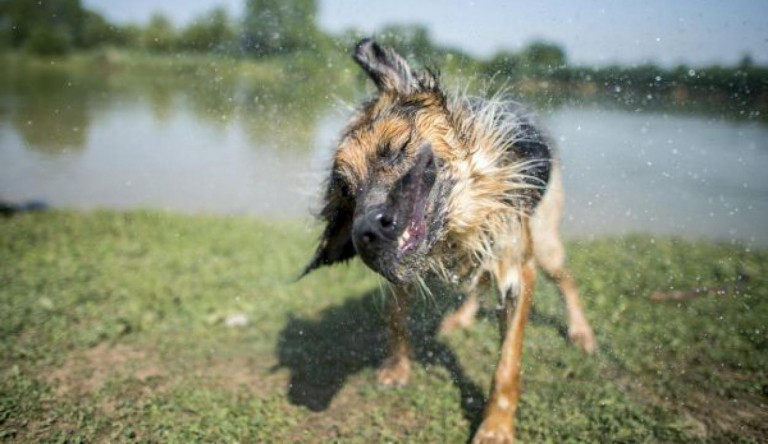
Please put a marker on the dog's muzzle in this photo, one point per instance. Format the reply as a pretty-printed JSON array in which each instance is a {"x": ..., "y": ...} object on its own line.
[{"x": 383, "y": 233}]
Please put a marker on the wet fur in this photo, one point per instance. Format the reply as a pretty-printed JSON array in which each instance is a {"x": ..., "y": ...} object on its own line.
[{"x": 494, "y": 211}]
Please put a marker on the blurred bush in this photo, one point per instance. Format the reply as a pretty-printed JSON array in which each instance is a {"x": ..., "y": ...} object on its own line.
[{"x": 46, "y": 40}]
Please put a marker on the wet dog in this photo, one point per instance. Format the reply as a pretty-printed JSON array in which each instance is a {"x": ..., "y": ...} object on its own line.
[{"x": 461, "y": 188}]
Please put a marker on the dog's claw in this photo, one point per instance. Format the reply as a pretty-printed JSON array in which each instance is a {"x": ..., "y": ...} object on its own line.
[
  {"x": 455, "y": 321},
  {"x": 490, "y": 434},
  {"x": 582, "y": 336},
  {"x": 463, "y": 318},
  {"x": 394, "y": 372}
]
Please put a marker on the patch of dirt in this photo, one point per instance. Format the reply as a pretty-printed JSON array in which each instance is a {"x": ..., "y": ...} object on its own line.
[
  {"x": 82, "y": 374},
  {"x": 85, "y": 372},
  {"x": 708, "y": 414},
  {"x": 350, "y": 413},
  {"x": 106, "y": 375},
  {"x": 745, "y": 415},
  {"x": 234, "y": 374},
  {"x": 142, "y": 372}
]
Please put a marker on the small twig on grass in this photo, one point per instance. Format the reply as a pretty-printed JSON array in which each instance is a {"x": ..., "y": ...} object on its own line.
[{"x": 719, "y": 290}]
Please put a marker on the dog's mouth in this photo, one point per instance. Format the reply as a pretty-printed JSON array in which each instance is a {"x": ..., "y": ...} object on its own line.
[
  {"x": 410, "y": 199},
  {"x": 416, "y": 231}
]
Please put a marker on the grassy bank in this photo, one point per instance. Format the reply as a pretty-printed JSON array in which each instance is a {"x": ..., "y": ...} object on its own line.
[{"x": 116, "y": 327}]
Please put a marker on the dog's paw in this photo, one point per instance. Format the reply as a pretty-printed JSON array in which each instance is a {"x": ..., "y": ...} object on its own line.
[
  {"x": 493, "y": 433},
  {"x": 463, "y": 318},
  {"x": 394, "y": 372},
  {"x": 456, "y": 321},
  {"x": 582, "y": 336}
]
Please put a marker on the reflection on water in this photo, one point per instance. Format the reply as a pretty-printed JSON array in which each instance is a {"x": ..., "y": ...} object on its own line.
[
  {"x": 216, "y": 141},
  {"x": 206, "y": 141},
  {"x": 50, "y": 113}
]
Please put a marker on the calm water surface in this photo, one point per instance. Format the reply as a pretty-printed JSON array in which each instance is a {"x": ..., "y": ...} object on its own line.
[{"x": 212, "y": 146}]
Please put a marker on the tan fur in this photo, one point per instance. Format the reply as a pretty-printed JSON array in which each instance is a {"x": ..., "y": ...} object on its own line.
[
  {"x": 550, "y": 255},
  {"x": 499, "y": 417},
  {"x": 396, "y": 368}
]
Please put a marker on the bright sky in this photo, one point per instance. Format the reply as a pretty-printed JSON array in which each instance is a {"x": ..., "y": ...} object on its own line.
[{"x": 696, "y": 32}]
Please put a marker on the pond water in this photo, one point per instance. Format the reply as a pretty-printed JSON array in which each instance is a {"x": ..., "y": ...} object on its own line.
[{"x": 79, "y": 140}]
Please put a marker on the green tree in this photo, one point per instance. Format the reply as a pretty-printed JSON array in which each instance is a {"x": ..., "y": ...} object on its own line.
[
  {"x": 210, "y": 32},
  {"x": 278, "y": 26},
  {"x": 159, "y": 35},
  {"x": 408, "y": 40},
  {"x": 128, "y": 35},
  {"x": 17, "y": 18},
  {"x": 543, "y": 57},
  {"x": 505, "y": 64},
  {"x": 97, "y": 31},
  {"x": 49, "y": 40},
  {"x": 33, "y": 23},
  {"x": 746, "y": 61}
]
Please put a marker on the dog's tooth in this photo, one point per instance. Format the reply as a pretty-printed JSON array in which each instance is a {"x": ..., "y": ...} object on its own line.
[{"x": 403, "y": 239}]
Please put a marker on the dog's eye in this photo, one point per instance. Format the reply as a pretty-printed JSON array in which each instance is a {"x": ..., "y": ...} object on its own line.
[
  {"x": 344, "y": 189},
  {"x": 340, "y": 183},
  {"x": 392, "y": 156},
  {"x": 389, "y": 156},
  {"x": 384, "y": 152}
]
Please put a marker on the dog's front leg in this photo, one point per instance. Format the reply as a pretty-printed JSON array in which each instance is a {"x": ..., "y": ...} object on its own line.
[
  {"x": 396, "y": 368},
  {"x": 498, "y": 421}
]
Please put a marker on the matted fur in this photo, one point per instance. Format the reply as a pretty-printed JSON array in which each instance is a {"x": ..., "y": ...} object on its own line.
[{"x": 486, "y": 203}]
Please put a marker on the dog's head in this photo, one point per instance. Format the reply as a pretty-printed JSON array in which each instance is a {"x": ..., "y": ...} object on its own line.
[{"x": 384, "y": 197}]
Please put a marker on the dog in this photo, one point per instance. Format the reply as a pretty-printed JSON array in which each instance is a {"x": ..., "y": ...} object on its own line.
[{"x": 461, "y": 188}]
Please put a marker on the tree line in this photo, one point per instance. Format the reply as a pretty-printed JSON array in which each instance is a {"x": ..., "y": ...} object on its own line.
[
  {"x": 56, "y": 27},
  {"x": 284, "y": 27}
]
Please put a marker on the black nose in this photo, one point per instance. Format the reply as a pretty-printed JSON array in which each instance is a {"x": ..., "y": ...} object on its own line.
[{"x": 376, "y": 225}]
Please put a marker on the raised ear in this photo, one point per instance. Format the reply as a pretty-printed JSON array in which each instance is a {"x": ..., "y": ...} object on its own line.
[
  {"x": 336, "y": 243},
  {"x": 388, "y": 69}
]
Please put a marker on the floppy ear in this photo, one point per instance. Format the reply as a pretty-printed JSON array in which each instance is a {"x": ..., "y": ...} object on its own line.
[
  {"x": 388, "y": 69},
  {"x": 336, "y": 243}
]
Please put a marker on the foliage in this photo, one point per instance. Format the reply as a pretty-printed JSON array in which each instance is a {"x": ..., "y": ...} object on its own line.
[
  {"x": 45, "y": 40},
  {"x": 159, "y": 35},
  {"x": 31, "y": 24},
  {"x": 506, "y": 64},
  {"x": 212, "y": 32},
  {"x": 543, "y": 56},
  {"x": 409, "y": 40},
  {"x": 96, "y": 30},
  {"x": 279, "y": 26},
  {"x": 128, "y": 36}
]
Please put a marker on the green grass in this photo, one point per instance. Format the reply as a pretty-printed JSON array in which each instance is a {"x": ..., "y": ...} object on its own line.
[{"x": 113, "y": 329}]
